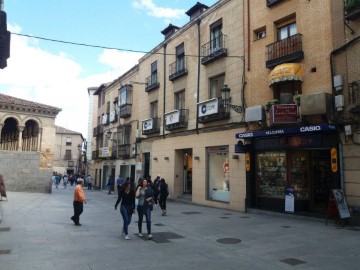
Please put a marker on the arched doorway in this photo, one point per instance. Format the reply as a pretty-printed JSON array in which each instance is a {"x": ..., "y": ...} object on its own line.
[
  {"x": 30, "y": 136},
  {"x": 9, "y": 135}
]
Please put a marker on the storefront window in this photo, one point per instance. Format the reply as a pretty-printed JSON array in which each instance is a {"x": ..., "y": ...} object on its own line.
[
  {"x": 271, "y": 172},
  {"x": 218, "y": 173},
  {"x": 299, "y": 178}
]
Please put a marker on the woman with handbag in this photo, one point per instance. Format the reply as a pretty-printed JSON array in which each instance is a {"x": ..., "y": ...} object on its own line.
[
  {"x": 145, "y": 206},
  {"x": 127, "y": 206}
]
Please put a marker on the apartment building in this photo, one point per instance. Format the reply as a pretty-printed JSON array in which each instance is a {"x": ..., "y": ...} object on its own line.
[
  {"x": 246, "y": 100},
  {"x": 299, "y": 104}
]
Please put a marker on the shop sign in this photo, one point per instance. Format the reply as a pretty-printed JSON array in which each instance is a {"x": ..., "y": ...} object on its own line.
[
  {"x": 208, "y": 107},
  {"x": 283, "y": 114},
  {"x": 247, "y": 161},
  {"x": 334, "y": 166},
  {"x": 289, "y": 199},
  {"x": 148, "y": 124},
  {"x": 286, "y": 131},
  {"x": 172, "y": 117},
  {"x": 105, "y": 152}
]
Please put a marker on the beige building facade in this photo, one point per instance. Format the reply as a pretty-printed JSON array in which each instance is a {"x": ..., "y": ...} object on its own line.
[
  {"x": 247, "y": 101},
  {"x": 27, "y": 144}
]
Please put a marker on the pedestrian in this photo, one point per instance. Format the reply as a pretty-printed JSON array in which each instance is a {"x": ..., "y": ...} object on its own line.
[
  {"x": 65, "y": 180},
  {"x": 79, "y": 200},
  {"x": 53, "y": 178},
  {"x": 57, "y": 180},
  {"x": 119, "y": 182},
  {"x": 88, "y": 181},
  {"x": 164, "y": 193},
  {"x": 127, "y": 206},
  {"x": 155, "y": 188},
  {"x": 110, "y": 184},
  {"x": 145, "y": 205}
]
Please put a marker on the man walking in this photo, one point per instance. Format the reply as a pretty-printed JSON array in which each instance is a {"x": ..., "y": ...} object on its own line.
[{"x": 79, "y": 200}]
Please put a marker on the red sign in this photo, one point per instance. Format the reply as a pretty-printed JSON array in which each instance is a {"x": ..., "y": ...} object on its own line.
[{"x": 283, "y": 114}]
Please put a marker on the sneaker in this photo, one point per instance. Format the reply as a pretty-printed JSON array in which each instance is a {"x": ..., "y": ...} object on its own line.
[
  {"x": 164, "y": 213},
  {"x": 150, "y": 236},
  {"x": 140, "y": 234},
  {"x": 127, "y": 237}
]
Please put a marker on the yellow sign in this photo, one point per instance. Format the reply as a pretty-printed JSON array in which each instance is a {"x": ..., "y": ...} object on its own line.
[
  {"x": 334, "y": 162},
  {"x": 247, "y": 161}
]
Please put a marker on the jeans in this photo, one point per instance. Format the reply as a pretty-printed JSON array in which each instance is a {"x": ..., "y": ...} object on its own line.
[
  {"x": 126, "y": 215},
  {"x": 143, "y": 210}
]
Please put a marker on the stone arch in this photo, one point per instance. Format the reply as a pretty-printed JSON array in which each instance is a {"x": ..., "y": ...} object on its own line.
[
  {"x": 9, "y": 139},
  {"x": 35, "y": 119},
  {"x": 30, "y": 136},
  {"x": 8, "y": 115}
]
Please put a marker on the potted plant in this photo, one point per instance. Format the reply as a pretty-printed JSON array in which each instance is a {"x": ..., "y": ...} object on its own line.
[
  {"x": 270, "y": 103},
  {"x": 351, "y": 5},
  {"x": 297, "y": 100}
]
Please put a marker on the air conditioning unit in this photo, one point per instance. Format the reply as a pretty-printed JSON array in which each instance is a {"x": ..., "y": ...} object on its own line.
[
  {"x": 319, "y": 103},
  {"x": 338, "y": 82},
  {"x": 339, "y": 102},
  {"x": 254, "y": 114}
]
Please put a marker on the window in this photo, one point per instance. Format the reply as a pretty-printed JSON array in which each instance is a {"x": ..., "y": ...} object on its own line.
[
  {"x": 180, "y": 100},
  {"x": 216, "y": 36},
  {"x": 108, "y": 107},
  {"x": 215, "y": 86},
  {"x": 102, "y": 98},
  {"x": 68, "y": 141},
  {"x": 218, "y": 176},
  {"x": 67, "y": 154},
  {"x": 180, "y": 57},
  {"x": 154, "y": 109},
  {"x": 285, "y": 31},
  {"x": 154, "y": 72},
  {"x": 116, "y": 104},
  {"x": 260, "y": 33}
]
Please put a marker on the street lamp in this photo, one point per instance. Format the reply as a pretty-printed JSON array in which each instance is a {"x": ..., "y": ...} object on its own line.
[
  {"x": 225, "y": 95},
  {"x": 108, "y": 134}
]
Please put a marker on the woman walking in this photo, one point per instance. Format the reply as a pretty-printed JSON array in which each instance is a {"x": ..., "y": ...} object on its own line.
[
  {"x": 127, "y": 206},
  {"x": 145, "y": 205},
  {"x": 164, "y": 193}
]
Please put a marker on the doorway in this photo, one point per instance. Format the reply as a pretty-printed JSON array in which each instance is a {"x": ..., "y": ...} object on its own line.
[{"x": 187, "y": 174}]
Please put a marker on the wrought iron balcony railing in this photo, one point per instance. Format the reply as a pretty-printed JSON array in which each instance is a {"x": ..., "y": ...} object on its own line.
[
  {"x": 99, "y": 130},
  {"x": 151, "y": 83},
  {"x": 285, "y": 50},
  {"x": 123, "y": 151},
  {"x": 178, "y": 69},
  {"x": 151, "y": 126},
  {"x": 213, "y": 50},
  {"x": 125, "y": 111},
  {"x": 176, "y": 119},
  {"x": 213, "y": 110}
]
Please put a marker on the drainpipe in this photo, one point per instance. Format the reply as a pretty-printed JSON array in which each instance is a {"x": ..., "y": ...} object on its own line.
[
  {"x": 248, "y": 33},
  {"x": 198, "y": 78},
  {"x": 163, "y": 126}
]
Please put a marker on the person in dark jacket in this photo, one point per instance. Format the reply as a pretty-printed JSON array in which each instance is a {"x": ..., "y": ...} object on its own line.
[
  {"x": 164, "y": 193},
  {"x": 127, "y": 206}
]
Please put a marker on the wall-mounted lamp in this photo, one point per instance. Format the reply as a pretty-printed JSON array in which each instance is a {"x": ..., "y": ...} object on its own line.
[
  {"x": 108, "y": 134},
  {"x": 155, "y": 158},
  {"x": 313, "y": 69},
  {"x": 235, "y": 157},
  {"x": 166, "y": 158},
  {"x": 196, "y": 158},
  {"x": 225, "y": 95}
]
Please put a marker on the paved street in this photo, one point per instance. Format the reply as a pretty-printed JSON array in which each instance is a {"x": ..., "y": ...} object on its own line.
[{"x": 36, "y": 233}]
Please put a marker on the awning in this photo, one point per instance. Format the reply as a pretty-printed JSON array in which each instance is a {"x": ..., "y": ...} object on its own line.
[{"x": 286, "y": 72}]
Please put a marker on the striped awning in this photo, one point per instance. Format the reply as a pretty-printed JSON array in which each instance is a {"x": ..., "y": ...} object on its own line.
[{"x": 286, "y": 72}]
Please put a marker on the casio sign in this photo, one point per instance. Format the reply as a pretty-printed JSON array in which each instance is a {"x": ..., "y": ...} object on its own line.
[
  {"x": 245, "y": 135},
  {"x": 309, "y": 129}
]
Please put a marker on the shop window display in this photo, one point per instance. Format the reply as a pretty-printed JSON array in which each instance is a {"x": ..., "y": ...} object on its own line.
[
  {"x": 218, "y": 173},
  {"x": 271, "y": 174}
]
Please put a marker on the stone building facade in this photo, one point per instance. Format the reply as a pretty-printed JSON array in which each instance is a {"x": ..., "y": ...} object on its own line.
[{"x": 27, "y": 144}]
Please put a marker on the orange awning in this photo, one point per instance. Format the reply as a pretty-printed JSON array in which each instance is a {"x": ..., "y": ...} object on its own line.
[{"x": 286, "y": 72}]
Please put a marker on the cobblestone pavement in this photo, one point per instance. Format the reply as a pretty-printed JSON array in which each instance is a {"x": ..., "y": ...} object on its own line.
[{"x": 36, "y": 233}]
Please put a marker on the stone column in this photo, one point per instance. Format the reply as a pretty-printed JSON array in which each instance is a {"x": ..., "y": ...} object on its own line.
[
  {"x": 20, "y": 128},
  {"x": 39, "y": 140},
  {"x": 1, "y": 126}
]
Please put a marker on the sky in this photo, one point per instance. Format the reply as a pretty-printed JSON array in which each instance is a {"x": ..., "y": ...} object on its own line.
[{"x": 59, "y": 74}]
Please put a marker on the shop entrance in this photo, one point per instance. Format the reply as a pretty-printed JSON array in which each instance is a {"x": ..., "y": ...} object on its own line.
[{"x": 187, "y": 173}]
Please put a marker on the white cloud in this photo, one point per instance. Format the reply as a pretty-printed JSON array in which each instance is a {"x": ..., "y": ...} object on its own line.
[
  {"x": 159, "y": 12},
  {"x": 54, "y": 79}
]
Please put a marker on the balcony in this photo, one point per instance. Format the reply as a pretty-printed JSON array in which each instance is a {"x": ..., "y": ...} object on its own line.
[
  {"x": 352, "y": 10},
  {"x": 178, "y": 69},
  {"x": 98, "y": 131},
  {"x": 270, "y": 3},
  {"x": 113, "y": 117},
  {"x": 212, "y": 110},
  {"x": 213, "y": 50},
  {"x": 176, "y": 119},
  {"x": 125, "y": 111},
  {"x": 285, "y": 50},
  {"x": 151, "y": 126},
  {"x": 95, "y": 155},
  {"x": 105, "y": 119},
  {"x": 123, "y": 151},
  {"x": 151, "y": 83}
]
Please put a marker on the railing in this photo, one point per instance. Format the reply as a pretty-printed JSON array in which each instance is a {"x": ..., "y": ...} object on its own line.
[
  {"x": 352, "y": 9},
  {"x": 223, "y": 113},
  {"x": 151, "y": 82},
  {"x": 214, "y": 49},
  {"x": 183, "y": 120},
  {"x": 125, "y": 111},
  {"x": 99, "y": 130},
  {"x": 178, "y": 69},
  {"x": 285, "y": 50},
  {"x": 123, "y": 151},
  {"x": 95, "y": 155},
  {"x": 155, "y": 126}
]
